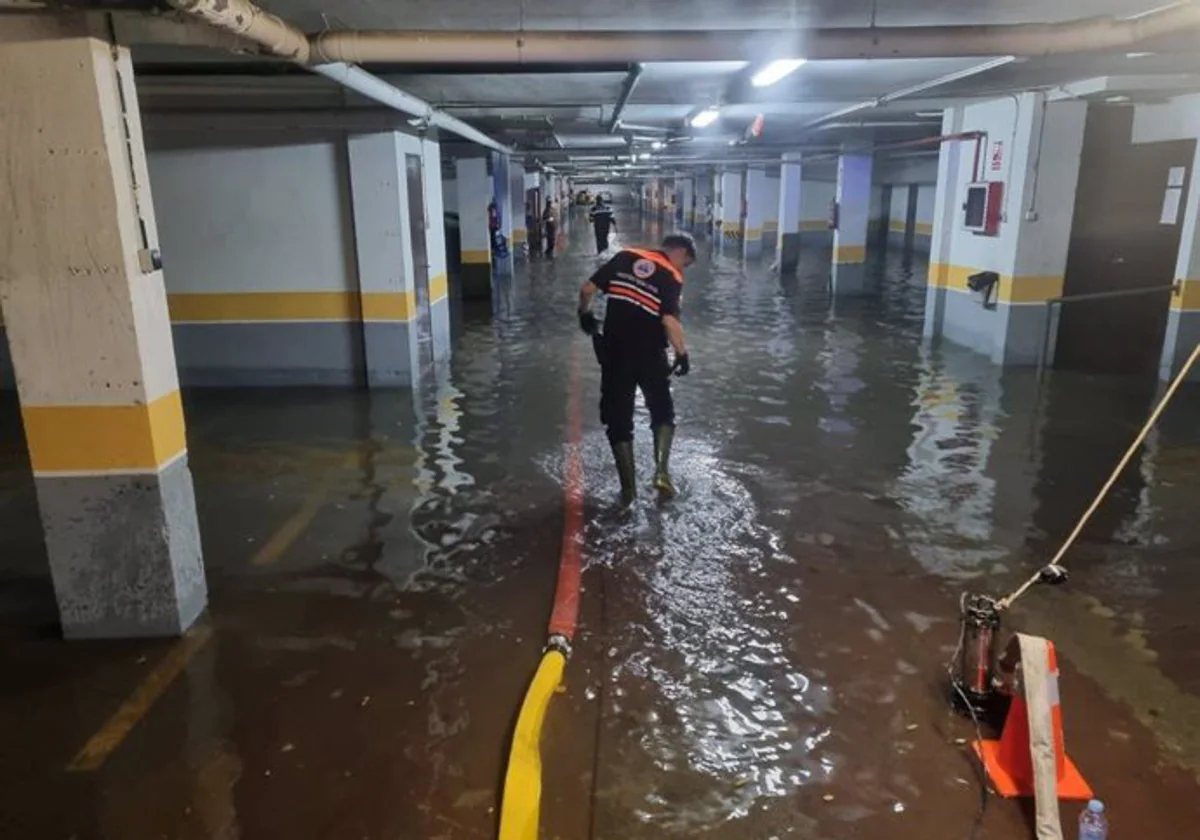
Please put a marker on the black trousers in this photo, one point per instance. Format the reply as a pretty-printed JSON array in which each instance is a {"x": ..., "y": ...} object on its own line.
[
  {"x": 551, "y": 239},
  {"x": 621, "y": 376},
  {"x": 601, "y": 238}
]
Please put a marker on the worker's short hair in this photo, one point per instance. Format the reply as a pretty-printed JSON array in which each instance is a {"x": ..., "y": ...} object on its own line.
[{"x": 681, "y": 240}]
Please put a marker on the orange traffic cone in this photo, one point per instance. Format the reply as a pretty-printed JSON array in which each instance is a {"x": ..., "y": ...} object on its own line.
[{"x": 1009, "y": 762}]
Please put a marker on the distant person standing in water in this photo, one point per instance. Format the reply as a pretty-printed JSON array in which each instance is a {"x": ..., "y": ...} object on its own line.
[{"x": 602, "y": 219}]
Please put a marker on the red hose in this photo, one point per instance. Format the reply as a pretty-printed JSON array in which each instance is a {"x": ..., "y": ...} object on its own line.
[{"x": 565, "y": 617}]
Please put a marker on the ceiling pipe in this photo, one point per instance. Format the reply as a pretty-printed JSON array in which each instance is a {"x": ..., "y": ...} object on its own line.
[
  {"x": 373, "y": 87},
  {"x": 279, "y": 38},
  {"x": 631, "y": 80},
  {"x": 540, "y": 47},
  {"x": 911, "y": 90}
]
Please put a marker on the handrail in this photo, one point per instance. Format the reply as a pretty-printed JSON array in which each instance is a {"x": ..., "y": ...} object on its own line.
[{"x": 1043, "y": 351}]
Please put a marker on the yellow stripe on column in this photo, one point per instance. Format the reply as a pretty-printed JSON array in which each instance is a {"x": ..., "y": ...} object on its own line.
[
  {"x": 1013, "y": 289},
  {"x": 389, "y": 306},
  {"x": 82, "y": 439},
  {"x": 264, "y": 306},
  {"x": 481, "y": 257},
  {"x": 814, "y": 224},
  {"x": 845, "y": 254},
  {"x": 1188, "y": 297},
  {"x": 438, "y": 288},
  {"x": 1030, "y": 288},
  {"x": 519, "y": 235}
]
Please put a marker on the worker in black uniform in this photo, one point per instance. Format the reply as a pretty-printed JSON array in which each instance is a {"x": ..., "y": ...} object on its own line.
[
  {"x": 602, "y": 219},
  {"x": 642, "y": 317}
]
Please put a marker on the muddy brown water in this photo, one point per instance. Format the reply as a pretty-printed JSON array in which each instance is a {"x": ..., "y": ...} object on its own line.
[{"x": 763, "y": 658}]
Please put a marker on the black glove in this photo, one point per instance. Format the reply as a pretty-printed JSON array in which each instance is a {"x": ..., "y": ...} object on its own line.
[
  {"x": 588, "y": 323},
  {"x": 682, "y": 366}
]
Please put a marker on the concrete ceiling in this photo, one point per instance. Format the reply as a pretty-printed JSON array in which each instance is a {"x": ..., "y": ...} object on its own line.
[
  {"x": 550, "y": 108},
  {"x": 681, "y": 14}
]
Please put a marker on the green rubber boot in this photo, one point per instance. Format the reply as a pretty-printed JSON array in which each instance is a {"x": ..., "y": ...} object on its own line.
[
  {"x": 663, "y": 437},
  {"x": 626, "y": 471}
]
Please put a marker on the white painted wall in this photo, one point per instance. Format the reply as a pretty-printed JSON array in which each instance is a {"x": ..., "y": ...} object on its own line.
[
  {"x": 875, "y": 210},
  {"x": 1022, "y": 247},
  {"x": 908, "y": 170},
  {"x": 898, "y": 211},
  {"x": 926, "y": 198},
  {"x": 815, "y": 200},
  {"x": 773, "y": 200},
  {"x": 258, "y": 218}
]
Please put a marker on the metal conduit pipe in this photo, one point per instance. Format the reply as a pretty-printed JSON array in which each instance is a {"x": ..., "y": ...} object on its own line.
[
  {"x": 912, "y": 90},
  {"x": 631, "y": 80},
  {"x": 277, "y": 37},
  {"x": 541, "y": 47},
  {"x": 373, "y": 87}
]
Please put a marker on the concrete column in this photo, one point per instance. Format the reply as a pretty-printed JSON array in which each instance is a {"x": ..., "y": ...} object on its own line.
[
  {"x": 1183, "y": 320},
  {"x": 520, "y": 237},
  {"x": 686, "y": 188},
  {"x": 703, "y": 197},
  {"x": 501, "y": 192},
  {"x": 758, "y": 197},
  {"x": 850, "y": 237},
  {"x": 474, "y": 192},
  {"x": 86, "y": 313},
  {"x": 771, "y": 223},
  {"x": 384, "y": 246},
  {"x": 1028, "y": 254},
  {"x": 729, "y": 217},
  {"x": 945, "y": 207},
  {"x": 435, "y": 248},
  {"x": 790, "y": 184}
]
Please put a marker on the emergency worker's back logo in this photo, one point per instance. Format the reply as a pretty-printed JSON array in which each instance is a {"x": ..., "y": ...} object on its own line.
[{"x": 644, "y": 269}]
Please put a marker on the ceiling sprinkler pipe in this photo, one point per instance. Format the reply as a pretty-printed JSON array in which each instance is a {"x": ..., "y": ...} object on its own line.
[{"x": 1096, "y": 34}]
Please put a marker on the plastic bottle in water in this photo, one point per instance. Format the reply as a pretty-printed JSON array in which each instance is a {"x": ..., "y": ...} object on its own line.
[{"x": 1093, "y": 825}]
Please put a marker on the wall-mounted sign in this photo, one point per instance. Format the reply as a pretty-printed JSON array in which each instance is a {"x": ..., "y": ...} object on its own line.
[{"x": 997, "y": 156}]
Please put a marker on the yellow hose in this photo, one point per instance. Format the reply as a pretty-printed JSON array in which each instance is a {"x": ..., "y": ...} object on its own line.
[{"x": 521, "y": 805}]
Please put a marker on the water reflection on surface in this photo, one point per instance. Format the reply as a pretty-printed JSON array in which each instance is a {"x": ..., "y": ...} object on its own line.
[{"x": 759, "y": 658}]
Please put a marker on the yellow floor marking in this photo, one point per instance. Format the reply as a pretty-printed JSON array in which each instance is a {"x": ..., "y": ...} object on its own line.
[
  {"x": 110, "y": 736},
  {"x": 290, "y": 530}
]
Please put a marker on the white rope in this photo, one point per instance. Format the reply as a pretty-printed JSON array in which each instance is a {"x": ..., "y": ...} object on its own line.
[{"x": 1006, "y": 602}]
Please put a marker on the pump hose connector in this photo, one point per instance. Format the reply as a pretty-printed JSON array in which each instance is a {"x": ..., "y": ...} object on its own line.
[{"x": 560, "y": 643}]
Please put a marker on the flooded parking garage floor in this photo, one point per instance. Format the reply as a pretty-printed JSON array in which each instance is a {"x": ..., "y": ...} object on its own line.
[{"x": 762, "y": 658}]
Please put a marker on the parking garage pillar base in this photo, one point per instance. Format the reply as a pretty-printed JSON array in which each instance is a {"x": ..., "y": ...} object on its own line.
[
  {"x": 500, "y": 194},
  {"x": 787, "y": 249},
  {"x": 474, "y": 192},
  {"x": 383, "y": 242},
  {"x": 90, "y": 337},
  {"x": 729, "y": 217},
  {"x": 850, "y": 237},
  {"x": 757, "y": 198},
  {"x": 520, "y": 235}
]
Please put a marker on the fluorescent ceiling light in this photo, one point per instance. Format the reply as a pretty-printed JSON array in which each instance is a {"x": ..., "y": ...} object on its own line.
[
  {"x": 657, "y": 144},
  {"x": 644, "y": 156},
  {"x": 775, "y": 71},
  {"x": 706, "y": 117},
  {"x": 1137, "y": 54}
]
